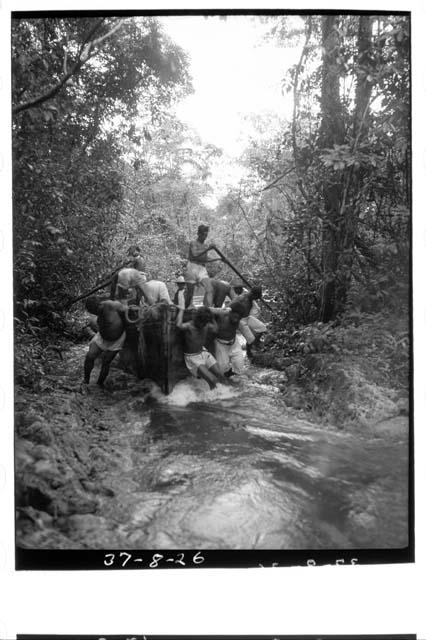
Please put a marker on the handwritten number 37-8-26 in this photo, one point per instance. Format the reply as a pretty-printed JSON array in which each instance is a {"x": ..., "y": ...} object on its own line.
[{"x": 157, "y": 559}]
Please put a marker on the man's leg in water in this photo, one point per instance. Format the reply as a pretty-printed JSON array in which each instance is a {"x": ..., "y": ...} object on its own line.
[
  {"x": 216, "y": 371},
  {"x": 204, "y": 373},
  {"x": 236, "y": 357},
  {"x": 248, "y": 334},
  {"x": 89, "y": 361},
  {"x": 108, "y": 357}
]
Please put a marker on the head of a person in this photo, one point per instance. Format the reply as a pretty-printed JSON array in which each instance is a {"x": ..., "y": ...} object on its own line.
[
  {"x": 238, "y": 288},
  {"x": 139, "y": 264},
  {"x": 202, "y": 232},
  {"x": 92, "y": 304},
  {"x": 202, "y": 316},
  {"x": 181, "y": 284},
  {"x": 237, "y": 311},
  {"x": 256, "y": 292}
]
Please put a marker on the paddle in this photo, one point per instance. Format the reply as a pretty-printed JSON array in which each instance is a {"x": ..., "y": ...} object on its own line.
[{"x": 229, "y": 263}]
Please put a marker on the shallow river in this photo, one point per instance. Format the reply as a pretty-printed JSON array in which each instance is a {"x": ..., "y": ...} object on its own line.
[{"x": 235, "y": 468}]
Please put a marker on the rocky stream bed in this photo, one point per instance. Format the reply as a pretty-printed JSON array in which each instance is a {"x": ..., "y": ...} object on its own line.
[{"x": 245, "y": 466}]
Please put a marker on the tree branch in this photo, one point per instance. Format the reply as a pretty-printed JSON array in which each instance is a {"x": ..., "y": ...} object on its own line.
[
  {"x": 250, "y": 226},
  {"x": 83, "y": 56},
  {"x": 295, "y": 90},
  {"x": 274, "y": 182}
]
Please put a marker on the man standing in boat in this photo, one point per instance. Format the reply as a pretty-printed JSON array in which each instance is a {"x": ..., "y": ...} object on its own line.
[
  {"x": 196, "y": 272},
  {"x": 198, "y": 360}
]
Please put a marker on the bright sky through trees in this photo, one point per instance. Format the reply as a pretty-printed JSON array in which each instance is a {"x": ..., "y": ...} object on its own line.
[{"x": 237, "y": 75}]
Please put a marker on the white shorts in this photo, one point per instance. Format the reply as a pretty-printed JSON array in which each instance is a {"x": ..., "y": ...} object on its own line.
[
  {"x": 195, "y": 272},
  {"x": 229, "y": 355},
  {"x": 194, "y": 360},
  {"x": 249, "y": 327},
  {"x": 108, "y": 345}
]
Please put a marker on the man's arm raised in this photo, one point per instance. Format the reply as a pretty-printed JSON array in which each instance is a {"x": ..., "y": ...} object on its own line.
[{"x": 179, "y": 320}]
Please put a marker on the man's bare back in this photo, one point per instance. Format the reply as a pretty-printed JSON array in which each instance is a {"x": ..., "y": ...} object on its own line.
[
  {"x": 195, "y": 338},
  {"x": 111, "y": 319},
  {"x": 227, "y": 323}
]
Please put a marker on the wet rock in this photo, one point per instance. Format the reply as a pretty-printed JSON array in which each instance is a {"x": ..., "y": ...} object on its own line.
[
  {"x": 293, "y": 397},
  {"x": 81, "y": 503},
  {"x": 85, "y": 524},
  {"x": 23, "y": 454},
  {"x": 403, "y": 406},
  {"x": 40, "y": 518},
  {"x": 163, "y": 540},
  {"x": 363, "y": 520},
  {"x": 96, "y": 488},
  {"x": 293, "y": 372},
  {"x": 42, "y": 452},
  {"x": 136, "y": 540},
  {"x": 25, "y": 418},
  {"x": 89, "y": 486},
  {"x": 46, "y": 538},
  {"x": 313, "y": 362},
  {"x": 28, "y": 495},
  {"x": 396, "y": 427},
  {"x": 46, "y": 468},
  {"x": 169, "y": 479},
  {"x": 38, "y": 431}
]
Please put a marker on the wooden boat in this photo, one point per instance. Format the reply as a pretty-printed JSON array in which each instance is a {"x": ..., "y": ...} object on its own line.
[{"x": 154, "y": 347}]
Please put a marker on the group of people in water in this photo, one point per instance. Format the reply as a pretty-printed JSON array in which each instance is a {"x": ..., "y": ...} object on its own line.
[{"x": 223, "y": 358}]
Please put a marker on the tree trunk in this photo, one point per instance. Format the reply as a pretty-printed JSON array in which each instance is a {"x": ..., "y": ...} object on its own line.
[
  {"x": 331, "y": 133},
  {"x": 342, "y": 189},
  {"x": 352, "y": 194}
]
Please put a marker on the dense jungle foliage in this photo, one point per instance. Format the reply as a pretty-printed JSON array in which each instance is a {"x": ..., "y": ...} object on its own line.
[{"x": 100, "y": 162}]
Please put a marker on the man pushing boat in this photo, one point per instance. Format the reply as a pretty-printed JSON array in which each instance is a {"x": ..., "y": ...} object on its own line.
[
  {"x": 250, "y": 326},
  {"x": 218, "y": 291},
  {"x": 111, "y": 317},
  {"x": 228, "y": 351},
  {"x": 130, "y": 278},
  {"x": 198, "y": 360}
]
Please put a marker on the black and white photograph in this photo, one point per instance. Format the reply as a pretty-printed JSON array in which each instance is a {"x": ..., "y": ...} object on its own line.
[{"x": 212, "y": 288}]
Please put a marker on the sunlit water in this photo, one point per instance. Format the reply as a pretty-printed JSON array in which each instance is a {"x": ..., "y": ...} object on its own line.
[{"x": 235, "y": 468}]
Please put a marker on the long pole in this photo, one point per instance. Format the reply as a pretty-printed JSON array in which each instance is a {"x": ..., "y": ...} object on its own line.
[
  {"x": 89, "y": 293},
  {"x": 102, "y": 285},
  {"x": 229, "y": 263}
]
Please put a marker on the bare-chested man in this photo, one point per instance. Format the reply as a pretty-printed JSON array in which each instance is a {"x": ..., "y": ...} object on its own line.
[
  {"x": 110, "y": 337},
  {"x": 228, "y": 351},
  {"x": 196, "y": 272},
  {"x": 250, "y": 326},
  {"x": 217, "y": 291},
  {"x": 198, "y": 360}
]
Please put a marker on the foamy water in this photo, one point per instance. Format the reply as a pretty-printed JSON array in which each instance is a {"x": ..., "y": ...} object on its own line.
[{"x": 194, "y": 390}]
